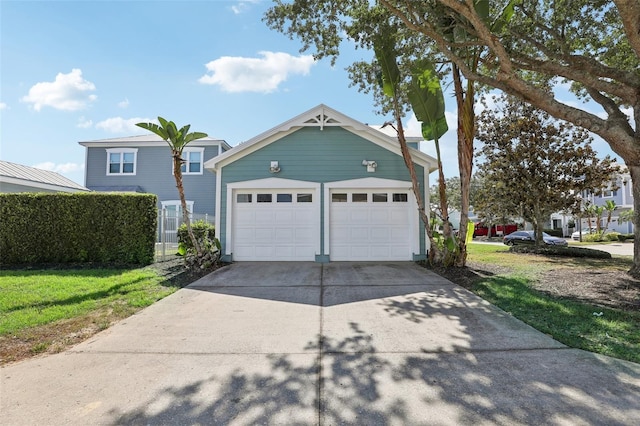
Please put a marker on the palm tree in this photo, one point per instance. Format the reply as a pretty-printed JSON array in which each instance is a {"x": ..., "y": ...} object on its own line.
[
  {"x": 177, "y": 140},
  {"x": 590, "y": 211},
  {"x": 609, "y": 206},
  {"x": 598, "y": 210}
]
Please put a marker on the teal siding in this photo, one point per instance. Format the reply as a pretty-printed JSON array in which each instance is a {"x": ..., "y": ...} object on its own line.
[{"x": 315, "y": 155}]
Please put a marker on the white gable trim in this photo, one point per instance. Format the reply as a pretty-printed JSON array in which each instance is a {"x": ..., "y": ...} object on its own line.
[{"x": 320, "y": 116}]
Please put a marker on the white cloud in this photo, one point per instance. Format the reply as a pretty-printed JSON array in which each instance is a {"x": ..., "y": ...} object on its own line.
[
  {"x": 3, "y": 106},
  {"x": 123, "y": 104},
  {"x": 243, "y": 6},
  {"x": 123, "y": 125},
  {"x": 84, "y": 123},
  {"x": 262, "y": 75},
  {"x": 60, "y": 168},
  {"x": 69, "y": 92}
]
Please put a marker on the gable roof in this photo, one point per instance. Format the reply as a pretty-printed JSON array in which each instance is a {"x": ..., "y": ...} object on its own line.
[
  {"x": 321, "y": 116},
  {"x": 150, "y": 139},
  {"x": 36, "y": 178}
]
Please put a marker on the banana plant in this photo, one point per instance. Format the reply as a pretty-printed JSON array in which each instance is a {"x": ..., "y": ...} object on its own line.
[{"x": 427, "y": 101}]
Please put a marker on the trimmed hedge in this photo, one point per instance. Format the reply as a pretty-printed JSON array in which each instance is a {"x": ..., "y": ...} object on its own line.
[
  {"x": 625, "y": 237},
  {"x": 554, "y": 232},
  {"x": 561, "y": 251},
  {"x": 103, "y": 228}
]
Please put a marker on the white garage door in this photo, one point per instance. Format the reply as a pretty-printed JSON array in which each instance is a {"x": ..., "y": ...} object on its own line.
[
  {"x": 275, "y": 225},
  {"x": 370, "y": 225}
]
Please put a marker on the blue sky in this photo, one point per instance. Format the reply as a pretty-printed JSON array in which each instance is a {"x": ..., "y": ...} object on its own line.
[{"x": 74, "y": 71}]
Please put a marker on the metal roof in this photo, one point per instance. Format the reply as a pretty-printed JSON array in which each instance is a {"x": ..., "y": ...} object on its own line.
[
  {"x": 150, "y": 139},
  {"x": 30, "y": 176}
]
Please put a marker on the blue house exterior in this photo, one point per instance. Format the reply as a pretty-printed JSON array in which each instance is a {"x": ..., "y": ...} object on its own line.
[
  {"x": 144, "y": 164},
  {"x": 622, "y": 197},
  {"x": 320, "y": 187}
]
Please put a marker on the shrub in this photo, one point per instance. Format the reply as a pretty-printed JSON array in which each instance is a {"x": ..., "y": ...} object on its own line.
[
  {"x": 203, "y": 231},
  {"x": 206, "y": 236},
  {"x": 561, "y": 251},
  {"x": 624, "y": 237},
  {"x": 611, "y": 236},
  {"x": 593, "y": 238},
  {"x": 103, "y": 228},
  {"x": 554, "y": 232}
]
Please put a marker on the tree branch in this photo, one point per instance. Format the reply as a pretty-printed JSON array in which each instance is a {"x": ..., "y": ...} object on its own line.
[{"x": 630, "y": 14}]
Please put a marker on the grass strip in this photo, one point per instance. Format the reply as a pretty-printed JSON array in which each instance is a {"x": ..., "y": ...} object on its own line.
[
  {"x": 579, "y": 325},
  {"x": 32, "y": 298}
]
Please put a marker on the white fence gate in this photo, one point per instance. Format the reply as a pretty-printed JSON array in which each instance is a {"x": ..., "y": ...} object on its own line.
[{"x": 169, "y": 220}]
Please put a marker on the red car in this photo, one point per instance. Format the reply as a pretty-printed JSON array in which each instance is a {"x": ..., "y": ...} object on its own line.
[{"x": 482, "y": 230}]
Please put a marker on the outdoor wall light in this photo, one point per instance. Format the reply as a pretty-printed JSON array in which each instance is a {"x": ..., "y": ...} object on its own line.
[
  {"x": 275, "y": 168},
  {"x": 371, "y": 165}
]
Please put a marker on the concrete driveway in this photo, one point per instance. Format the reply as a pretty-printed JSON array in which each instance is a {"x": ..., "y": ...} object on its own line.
[{"x": 305, "y": 344}]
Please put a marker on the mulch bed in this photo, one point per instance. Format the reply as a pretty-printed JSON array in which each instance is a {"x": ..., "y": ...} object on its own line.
[{"x": 607, "y": 288}]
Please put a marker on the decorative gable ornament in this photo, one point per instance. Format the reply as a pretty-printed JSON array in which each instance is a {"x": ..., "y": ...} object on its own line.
[{"x": 322, "y": 120}]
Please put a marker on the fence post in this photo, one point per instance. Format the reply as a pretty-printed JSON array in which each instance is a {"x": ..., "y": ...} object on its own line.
[{"x": 163, "y": 233}]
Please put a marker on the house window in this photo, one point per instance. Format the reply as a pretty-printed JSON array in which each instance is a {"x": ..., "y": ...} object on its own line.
[
  {"x": 265, "y": 198},
  {"x": 359, "y": 198},
  {"x": 192, "y": 161},
  {"x": 607, "y": 193},
  {"x": 121, "y": 161},
  {"x": 243, "y": 198},
  {"x": 399, "y": 198},
  {"x": 305, "y": 198},
  {"x": 380, "y": 198},
  {"x": 284, "y": 198},
  {"x": 339, "y": 198}
]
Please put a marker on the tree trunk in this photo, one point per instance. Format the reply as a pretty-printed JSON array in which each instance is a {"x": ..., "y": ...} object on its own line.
[
  {"x": 177, "y": 173},
  {"x": 466, "y": 123},
  {"x": 635, "y": 191},
  {"x": 434, "y": 252}
]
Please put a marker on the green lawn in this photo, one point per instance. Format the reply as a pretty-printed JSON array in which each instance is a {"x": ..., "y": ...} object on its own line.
[
  {"x": 613, "y": 332},
  {"x": 32, "y": 298}
]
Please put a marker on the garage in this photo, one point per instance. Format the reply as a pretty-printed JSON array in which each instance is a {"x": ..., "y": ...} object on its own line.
[
  {"x": 270, "y": 225},
  {"x": 320, "y": 187},
  {"x": 370, "y": 225}
]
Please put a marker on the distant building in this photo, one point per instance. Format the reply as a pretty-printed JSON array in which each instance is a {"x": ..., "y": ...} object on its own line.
[
  {"x": 622, "y": 196},
  {"x": 19, "y": 178}
]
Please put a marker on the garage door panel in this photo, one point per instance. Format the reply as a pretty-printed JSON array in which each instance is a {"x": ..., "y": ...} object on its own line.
[
  {"x": 304, "y": 216},
  {"x": 282, "y": 234},
  {"x": 304, "y": 234},
  {"x": 267, "y": 231},
  {"x": 371, "y": 230},
  {"x": 381, "y": 215},
  {"x": 379, "y": 234},
  {"x": 284, "y": 217},
  {"x": 358, "y": 215}
]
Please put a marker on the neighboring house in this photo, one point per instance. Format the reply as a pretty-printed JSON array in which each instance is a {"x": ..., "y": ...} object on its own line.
[
  {"x": 623, "y": 197},
  {"x": 144, "y": 164},
  {"x": 18, "y": 178},
  {"x": 319, "y": 187}
]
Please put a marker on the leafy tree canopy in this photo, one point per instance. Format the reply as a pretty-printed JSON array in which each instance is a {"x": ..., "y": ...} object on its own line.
[{"x": 537, "y": 165}]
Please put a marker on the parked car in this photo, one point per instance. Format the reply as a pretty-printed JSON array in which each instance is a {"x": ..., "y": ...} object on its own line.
[
  {"x": 528, "y": 237},
  {"x": 586, "y": 231},
  {"x": 481, "y": 229}
]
